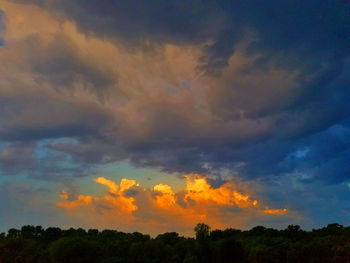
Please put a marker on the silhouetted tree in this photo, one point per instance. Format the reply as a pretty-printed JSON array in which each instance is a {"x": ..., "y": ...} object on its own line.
[
  {"x": 28, "y": 231},
  {"x": 202, "y": 237},
  {"x": 202, "y": 231},
  {"x": 33, "y": 244},
  {"x": 13, "y": 233},
  {"x": 75, "y": 250},
  {"x": 51, "y": 234},
  {"x": 92, "y": 232}
]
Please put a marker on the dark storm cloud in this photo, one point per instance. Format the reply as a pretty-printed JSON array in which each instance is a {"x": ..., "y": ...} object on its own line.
[
  {"x": 57, "y": 118},
  {"x": 307, "y": 30},
  {"x": 40, "y": 163},
  {"x": 162, "y": 21},
  {"x": 34, "y": 107},
  {"x": 270, "y": 114},
  {"x": 59, "y": 64},
  {"x": 17, "y": 157}
]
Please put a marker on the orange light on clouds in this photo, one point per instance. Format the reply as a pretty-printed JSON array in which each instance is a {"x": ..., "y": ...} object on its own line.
[
  {"x": 275, "y": 211},
  {"x": 198, "y": 189},
  {"x": 131, "y": 205},
  {"x": 167, "y": 196},
  {"x": 112, "y": 186},
  {"x": 64, "y": 194},
  {"x": 81, "y": 200},
  {"x": 118, "y": 199},
  {"x": 126, "y": 184}
]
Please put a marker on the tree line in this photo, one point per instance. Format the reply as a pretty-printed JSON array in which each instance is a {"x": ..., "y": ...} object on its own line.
[{"x": 34, "y": 244}]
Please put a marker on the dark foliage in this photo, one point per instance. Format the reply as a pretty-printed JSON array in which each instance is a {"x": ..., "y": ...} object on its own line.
[{"x": 33, "y": 244}]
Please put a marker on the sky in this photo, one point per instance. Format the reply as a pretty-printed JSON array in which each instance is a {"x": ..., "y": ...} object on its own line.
[{"x": 153, "y": 116}]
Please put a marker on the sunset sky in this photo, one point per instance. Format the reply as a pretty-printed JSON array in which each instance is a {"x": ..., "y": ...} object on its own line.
[{"x": 154, "y": 115}]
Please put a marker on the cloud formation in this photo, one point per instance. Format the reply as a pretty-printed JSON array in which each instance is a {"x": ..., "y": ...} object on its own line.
[
  {"x": 129, "y": 205},
  {"x": 124, "y": 92},
  {"x": 249, "y": 89}
]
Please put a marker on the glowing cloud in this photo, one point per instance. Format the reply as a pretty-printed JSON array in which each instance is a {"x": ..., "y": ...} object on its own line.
[
  {"x": 118, "y": 199},
  {"x": 275, "y": 211},
  {"x": 130, "y": 204},
  {"x": 198, "y": 189},
  {"x": 167, "y": 196},
  {"x": 113, "y": 187},
  {"x": 126, "y": 184},
  {"x": 81, "y": 200}
]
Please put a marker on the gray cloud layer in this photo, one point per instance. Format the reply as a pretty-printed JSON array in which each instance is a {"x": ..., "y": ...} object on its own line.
[{"x": 251, "y": 86}]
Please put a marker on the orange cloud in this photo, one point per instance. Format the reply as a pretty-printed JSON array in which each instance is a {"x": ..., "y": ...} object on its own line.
[
  {"x": 118, "y": 199},
  {"x": 64, "y": 194},
  {"x": 113, "y": 187},
  {"x": 160, "y": 208},
  {"x": 167, "y": 196},
  {"x": 81, "y": 200},
  {"x": 275, "y": 211},
  {"x": 126, "y": 184},
  {"x": 198, "y": 189}
]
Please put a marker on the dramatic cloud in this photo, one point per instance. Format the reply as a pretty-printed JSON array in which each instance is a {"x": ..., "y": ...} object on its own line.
[
  {"x": 132, "y": 206},
  {"x": 253, "y": 90}
]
